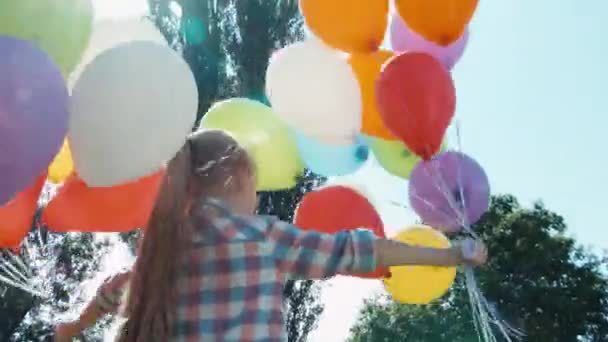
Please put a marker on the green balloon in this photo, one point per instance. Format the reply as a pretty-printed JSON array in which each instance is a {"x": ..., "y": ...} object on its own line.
[
  {"x": 61, "y": 28},
  {"x": 395, "y": 157},
  {"x": 265, "y": 136}
]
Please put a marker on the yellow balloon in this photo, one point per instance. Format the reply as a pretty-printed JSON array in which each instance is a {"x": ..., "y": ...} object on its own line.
[
  {"x": 420, "y": 284},
  {"x": 62, "y": 166},
  {"x": 265, "y": 136}
]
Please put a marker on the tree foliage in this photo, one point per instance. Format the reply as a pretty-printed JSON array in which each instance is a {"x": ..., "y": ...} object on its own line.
[{"x": 537, "y": 277}]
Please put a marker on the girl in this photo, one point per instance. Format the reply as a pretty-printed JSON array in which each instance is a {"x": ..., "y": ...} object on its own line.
[{"x": 209, "y": 270}]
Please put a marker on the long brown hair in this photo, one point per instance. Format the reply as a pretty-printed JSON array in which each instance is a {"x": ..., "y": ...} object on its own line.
[{"x": 208, "y": 161}]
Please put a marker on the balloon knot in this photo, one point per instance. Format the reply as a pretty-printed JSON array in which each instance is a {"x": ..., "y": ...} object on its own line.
[
  {"x": 362, "y": 153},
  {"x": 445, "y": 40},
  {"x": 374, "y": 45}
]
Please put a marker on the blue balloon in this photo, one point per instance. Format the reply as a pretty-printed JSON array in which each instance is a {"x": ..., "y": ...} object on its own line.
[{"x": 332, "y": 160}]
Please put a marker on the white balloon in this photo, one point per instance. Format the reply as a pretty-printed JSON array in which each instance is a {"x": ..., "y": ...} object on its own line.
[
  {"x": 112, "y": 32},
  {"x": 314, "y": 89},
  {"x": 131, "y": 111}
]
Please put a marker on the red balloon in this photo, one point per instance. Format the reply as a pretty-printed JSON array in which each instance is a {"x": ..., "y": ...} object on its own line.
[
  {"x": 416, "y": 99},
  {"x": 17, "y": 216},
  {"x": 335, "y": 208},
  {"x": 121, "y": 208}
]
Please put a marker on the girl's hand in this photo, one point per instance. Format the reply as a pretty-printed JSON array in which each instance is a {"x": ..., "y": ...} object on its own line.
[
  {"x": 472, "y": 252},
  {"x": 66, "y": 332}
]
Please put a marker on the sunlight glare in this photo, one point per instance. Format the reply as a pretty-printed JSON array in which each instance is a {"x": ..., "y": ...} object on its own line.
[{"x": 105, "y": 9}]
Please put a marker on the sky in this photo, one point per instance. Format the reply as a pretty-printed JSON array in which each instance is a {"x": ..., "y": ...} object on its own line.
[{"x": 531, "y": 91}]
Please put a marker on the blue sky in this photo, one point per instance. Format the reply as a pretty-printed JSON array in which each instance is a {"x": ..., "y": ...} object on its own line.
[
  {"x": 531, "y": 107},
  {"x": 531, "y": 102}
]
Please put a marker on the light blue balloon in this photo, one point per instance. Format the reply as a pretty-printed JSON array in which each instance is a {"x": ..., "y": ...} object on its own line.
[{"x": 332, "y": 160}]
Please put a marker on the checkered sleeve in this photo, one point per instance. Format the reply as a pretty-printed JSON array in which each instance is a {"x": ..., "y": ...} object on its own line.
[
  {"x": 109, "y": 294},
  {"x": 314, "y": 255}
]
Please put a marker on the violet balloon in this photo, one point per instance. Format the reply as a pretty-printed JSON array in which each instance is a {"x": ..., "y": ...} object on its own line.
[
  {"x": 33, "y": 114},
  {"x": 404, "y": 39},
  {"x": 449, "y": 189}
]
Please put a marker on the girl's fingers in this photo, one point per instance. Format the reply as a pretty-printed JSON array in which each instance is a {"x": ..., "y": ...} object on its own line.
[{"x": 474, "y": 252}]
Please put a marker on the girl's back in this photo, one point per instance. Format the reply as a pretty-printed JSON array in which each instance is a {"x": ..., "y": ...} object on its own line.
[{"x": 231, "y": 288}]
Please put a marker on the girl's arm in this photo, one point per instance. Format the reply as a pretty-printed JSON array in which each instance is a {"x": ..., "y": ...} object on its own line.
[
  {"x": 394, "y": 253},
  {"x": 313, "y": 255},
  {"x": 310, "y": 254},
  {"x": 106, "y": 301},
  {"x": 66, "y": 331}
]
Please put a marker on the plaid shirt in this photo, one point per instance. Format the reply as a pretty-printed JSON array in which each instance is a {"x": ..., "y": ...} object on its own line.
[{"x": 231, "y": 288}]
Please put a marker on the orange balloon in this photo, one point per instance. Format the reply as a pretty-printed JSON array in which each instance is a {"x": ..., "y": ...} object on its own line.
[
  {"x": 120, "y": 208},
  {"x": 347, "y": 25},
  {"x": 439, "y": 21},
  {"x": 367, "y": 68},
  {"x": 17, "y": 216}
]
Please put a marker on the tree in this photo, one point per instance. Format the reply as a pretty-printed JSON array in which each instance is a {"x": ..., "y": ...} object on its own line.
[
  {"x": 14, "y": 306},
  {"x": 538, "y": 278},
  {"x": 227, "y": 44}
]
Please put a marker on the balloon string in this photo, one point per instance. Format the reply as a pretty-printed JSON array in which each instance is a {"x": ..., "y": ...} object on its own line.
[
  {"x": 20, "y": 286},
  {"x": 15, "y": 277},
  {"x": 443, "y": 212},
  {"x": 19, "y": 262},
  {"x": 442, "y": 188},
  {"x": 459, "y": 178},
  {"x": 484, "y": 314},
  {"x": 17, "y": 273},
  {"x": 11, "y": 269},
  {"x": 8, "y": 269}
]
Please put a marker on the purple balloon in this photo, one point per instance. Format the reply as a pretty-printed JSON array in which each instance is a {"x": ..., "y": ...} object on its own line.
[
  {"x": 448, "y": 189},
  {"x": 33, "y": 114},
  {"x": 403, "y": 39}
]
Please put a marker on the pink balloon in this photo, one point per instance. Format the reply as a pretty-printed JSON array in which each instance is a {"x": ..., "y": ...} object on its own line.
[{"x": 404, "y": 39}]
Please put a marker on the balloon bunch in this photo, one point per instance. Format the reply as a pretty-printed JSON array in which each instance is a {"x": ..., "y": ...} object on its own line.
[
  {"x": 94, "y": 108},
  {"x": 342, "y": 95}
]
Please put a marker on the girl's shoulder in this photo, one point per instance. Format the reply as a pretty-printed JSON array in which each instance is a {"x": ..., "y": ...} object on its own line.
[
  {"x": 232, "y": 228},
  {"x": 217, "y": 223}
]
